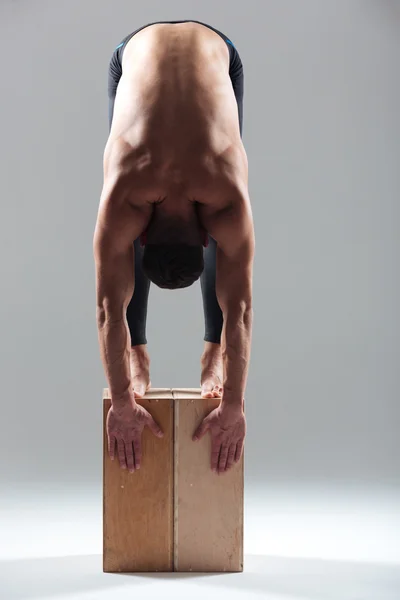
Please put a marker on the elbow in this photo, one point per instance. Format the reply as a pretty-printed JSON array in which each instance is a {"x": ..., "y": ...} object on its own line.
[
  {"x": 246, "y": 314},
  {"x": 239, "y": 311},
  {"x": 245, "y": 306},
  {"x": 109, "y": 312}
]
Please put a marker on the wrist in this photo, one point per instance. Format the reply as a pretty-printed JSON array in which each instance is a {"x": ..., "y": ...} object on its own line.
[
  {"x": 120, "y": 401},
  {"x": 232, "y": 401}
]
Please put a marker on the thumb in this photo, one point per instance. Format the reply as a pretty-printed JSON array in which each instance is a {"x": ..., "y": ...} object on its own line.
[
  {"x": 202, "y": 429},
  {"x": 156, "y": 429}
]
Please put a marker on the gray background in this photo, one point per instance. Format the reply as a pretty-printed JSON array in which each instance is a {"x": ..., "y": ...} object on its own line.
[{"x": 321, "y": 130}]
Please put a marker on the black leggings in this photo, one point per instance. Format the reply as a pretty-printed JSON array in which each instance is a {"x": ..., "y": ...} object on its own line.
[{"x": 136, "y": 313}]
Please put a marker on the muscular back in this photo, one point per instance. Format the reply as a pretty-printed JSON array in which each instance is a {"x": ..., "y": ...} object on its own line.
[{"x": 175, "y": 125}]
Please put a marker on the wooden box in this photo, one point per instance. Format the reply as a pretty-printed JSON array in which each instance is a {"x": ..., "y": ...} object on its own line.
[{"x": 174, "y": 513}]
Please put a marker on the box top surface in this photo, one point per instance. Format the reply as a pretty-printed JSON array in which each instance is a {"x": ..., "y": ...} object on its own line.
[{"x": 166, "y": 393}]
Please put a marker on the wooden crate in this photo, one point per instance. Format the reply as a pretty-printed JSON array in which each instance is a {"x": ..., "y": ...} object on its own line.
[{"x": 174, "y": 514}]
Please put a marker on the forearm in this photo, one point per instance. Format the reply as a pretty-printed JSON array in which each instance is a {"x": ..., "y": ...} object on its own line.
[
  {"x": 114, "y": 341},
  {"x": 235, "y": 346}
]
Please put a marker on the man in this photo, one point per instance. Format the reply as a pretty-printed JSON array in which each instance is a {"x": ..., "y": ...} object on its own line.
[{"x": 175, "y": 208}]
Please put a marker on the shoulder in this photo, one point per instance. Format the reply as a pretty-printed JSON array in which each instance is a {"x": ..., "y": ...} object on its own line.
[
  {"x": 122, "y": 157},
  {"x": 128, "y": 174},
  {"x": 124, "y": 211},
  {"x": 222, "y": 178},
  {"x": 226, "y": 212}
]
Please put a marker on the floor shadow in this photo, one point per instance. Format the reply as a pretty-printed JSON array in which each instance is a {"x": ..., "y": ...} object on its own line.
[
  {"x": 271, "y": 576},
  {"x": 315, "y": 579},
  {"x": 23, "y": 579}
]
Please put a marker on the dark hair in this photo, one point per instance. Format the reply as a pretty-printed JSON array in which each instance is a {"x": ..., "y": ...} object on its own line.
[{"x": 173, "y": 266}]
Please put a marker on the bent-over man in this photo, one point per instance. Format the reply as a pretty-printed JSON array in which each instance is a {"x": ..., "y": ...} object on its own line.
[{"x": 174, "y": 208}]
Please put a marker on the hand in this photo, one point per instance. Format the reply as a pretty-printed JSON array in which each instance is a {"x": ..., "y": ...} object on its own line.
[
  {"x": 124, "y": 426},
  {"x": 227, "y": 425}
]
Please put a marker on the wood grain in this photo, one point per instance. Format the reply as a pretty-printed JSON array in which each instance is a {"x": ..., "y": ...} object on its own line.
[
  {"x": 208, "y": 508},
  {"x": 138, "y": 507}
]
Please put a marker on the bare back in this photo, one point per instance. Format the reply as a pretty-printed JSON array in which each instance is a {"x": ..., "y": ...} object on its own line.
[{"x": 175, "y": 114}]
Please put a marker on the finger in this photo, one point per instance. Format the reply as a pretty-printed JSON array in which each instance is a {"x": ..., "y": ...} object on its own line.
[
  {"x": 156, "y": 429},
  {"x": 239, "y": 449},
  {"x": 223, "y": 456},
  {"x": 137, "y": 447},
  {"x": 111, "y": 446},
  {"x": 121, "y": 453},
  {"x": 231, "y": 456},
  {"x": 202, "y": 429},
  {"x": 215, "y": 450},
  {"x": 129, "y": 456}
]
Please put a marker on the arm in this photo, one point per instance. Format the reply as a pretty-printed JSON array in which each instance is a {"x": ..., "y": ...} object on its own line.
[
  {"x": 231, "y": 225},
  {"x": 118, "y": 225},
  {"x": 232, "y": 228}
]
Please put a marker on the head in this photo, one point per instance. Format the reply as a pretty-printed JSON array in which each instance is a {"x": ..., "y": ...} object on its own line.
[{"x": 173, "y": 251}]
